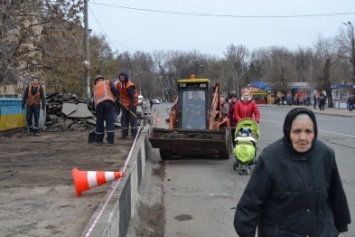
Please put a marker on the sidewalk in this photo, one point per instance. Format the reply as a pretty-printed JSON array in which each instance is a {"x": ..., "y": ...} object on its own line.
[{"x": 328, "y": 111}]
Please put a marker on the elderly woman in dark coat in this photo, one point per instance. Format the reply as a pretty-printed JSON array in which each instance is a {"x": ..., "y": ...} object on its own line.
[{"x": 295, "y": 189}]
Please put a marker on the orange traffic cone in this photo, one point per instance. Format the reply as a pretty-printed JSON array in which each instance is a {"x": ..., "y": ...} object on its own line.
[
  {"x": 157, "y": 119},
  {"x": 84, "y": 180}
]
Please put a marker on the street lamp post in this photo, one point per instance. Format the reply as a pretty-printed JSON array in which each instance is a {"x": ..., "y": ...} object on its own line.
[
  {"x": 352, "y": 50},
  {"x": 86, "y": 47}
]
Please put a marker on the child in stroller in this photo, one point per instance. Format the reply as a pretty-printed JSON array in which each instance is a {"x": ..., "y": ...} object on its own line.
[{"x": 246, "y": 138}]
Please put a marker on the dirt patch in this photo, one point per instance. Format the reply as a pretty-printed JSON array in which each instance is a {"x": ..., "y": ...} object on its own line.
[
  {"x": 149, "y": 219},
  {"x": 37, "y": 195},
  {"x": 152, "y": 220}
]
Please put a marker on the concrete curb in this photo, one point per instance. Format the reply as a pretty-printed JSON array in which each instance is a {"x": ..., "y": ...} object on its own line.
[{"x": 117, "y": 208}]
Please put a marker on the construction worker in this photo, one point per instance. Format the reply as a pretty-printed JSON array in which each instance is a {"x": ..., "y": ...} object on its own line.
[
  {"x": 104, "y": 99},
  {"x": 32, "y": 98},
  {"x": 129, "y": 102}
]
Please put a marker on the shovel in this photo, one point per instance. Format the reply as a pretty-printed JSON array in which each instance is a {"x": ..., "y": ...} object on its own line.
[{"x": 127, "y": 109}]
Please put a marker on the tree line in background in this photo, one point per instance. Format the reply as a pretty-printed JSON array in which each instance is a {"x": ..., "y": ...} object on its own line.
[{"x": 46, "y": 38}]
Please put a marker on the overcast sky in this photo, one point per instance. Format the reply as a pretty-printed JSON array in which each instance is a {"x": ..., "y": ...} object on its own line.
[{"x": 209, "y": 27}]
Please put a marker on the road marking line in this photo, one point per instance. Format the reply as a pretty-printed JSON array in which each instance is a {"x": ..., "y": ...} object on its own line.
[{"x": 336, "y": 133}]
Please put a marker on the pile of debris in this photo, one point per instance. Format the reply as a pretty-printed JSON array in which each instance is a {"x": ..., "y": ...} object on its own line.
[{"x": 68, "y": 112}]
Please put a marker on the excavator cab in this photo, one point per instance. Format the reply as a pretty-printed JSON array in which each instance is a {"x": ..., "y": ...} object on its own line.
[{"x": 194, "y": 103}]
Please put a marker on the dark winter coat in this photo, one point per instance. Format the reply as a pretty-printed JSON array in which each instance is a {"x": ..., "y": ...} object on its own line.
[
  {"x": 292, "y": 195},
  {"x": 232, "y": 119}
]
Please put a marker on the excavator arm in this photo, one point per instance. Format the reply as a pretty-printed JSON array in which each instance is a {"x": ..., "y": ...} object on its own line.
[
  {"x": 216, "y": 120},
  {"x": 174, "y": 114}
]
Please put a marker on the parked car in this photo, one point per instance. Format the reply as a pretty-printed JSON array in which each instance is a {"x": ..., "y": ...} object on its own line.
[{"x": 155, "y": 101}]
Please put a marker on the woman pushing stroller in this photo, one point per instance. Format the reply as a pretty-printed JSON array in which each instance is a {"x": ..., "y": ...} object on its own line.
[
  {"x": 246, "y": 135},
  {"x": 246, "y": 107}
]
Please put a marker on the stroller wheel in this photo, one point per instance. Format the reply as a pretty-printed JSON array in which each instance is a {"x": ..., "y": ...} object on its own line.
[{"x": 242, "y": 170}]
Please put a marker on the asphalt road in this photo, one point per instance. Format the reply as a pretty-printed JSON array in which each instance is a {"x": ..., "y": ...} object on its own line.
[{"x": 198, "y": 194}]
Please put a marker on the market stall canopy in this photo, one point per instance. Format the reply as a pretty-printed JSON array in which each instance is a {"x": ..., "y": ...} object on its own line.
[{"x": 261, "y": 85}]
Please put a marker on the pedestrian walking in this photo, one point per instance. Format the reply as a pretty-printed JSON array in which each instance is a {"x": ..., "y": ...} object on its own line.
[
  {"x": 233, "y": 120},
  {"x": 104, "y": 101},
  {"x": 246, "y": 107},
  {"x": 128, "y": 95},
  {"x": 351, "y": 102},
  {"x": 295, "y": 188},
  {"x": 321, "y": 102},
  {"x": 308, "y": 101},
  {"x": 283, "y": 100},
  {"x": 146, "y": 107},
  {"x": 289, "y": 99},
  {"x": 33, "y": 98},
  {"x": 315, "y": 101}
]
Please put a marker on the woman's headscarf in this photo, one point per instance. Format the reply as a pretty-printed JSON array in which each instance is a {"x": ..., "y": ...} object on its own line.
[{"x": 292, "y": 115}]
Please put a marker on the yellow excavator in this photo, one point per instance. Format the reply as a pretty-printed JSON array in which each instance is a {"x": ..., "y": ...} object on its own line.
[{"x": 196, "y": 123}]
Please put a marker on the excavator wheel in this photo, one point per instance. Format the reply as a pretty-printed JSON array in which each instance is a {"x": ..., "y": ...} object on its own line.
[{"x": 166, "y": 154}]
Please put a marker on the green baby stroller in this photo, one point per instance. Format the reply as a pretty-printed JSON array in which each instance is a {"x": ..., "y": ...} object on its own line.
[{"x": 246, "y": 138}]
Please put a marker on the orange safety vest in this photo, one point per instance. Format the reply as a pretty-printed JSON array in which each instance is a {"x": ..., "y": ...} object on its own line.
[
  {"x": 124, "y": 93},
  {"x": 102, "y": 91},
  {"x": 33, "y": 99}
]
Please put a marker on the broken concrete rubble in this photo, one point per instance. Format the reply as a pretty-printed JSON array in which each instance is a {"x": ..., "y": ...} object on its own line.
[{"x": 68, "y": 112}]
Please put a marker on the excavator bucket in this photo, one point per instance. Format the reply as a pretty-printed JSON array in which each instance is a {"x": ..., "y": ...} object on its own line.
[{"x": 171, "y": 141}]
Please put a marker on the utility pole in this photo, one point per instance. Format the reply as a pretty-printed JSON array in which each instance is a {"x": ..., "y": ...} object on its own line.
[
  {"x": 352, "y": 50},
  {"x": 86, "y": 47}
]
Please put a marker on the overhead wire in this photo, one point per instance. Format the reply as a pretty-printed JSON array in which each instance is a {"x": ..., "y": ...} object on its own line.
[
  {"x": 227, "y": 15},
  {"x": 113, "y": 43},
  {"x": 214, "y": 15}
]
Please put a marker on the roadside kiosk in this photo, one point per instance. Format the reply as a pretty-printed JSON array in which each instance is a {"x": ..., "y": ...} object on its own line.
[{"x": 341, "y": 93}]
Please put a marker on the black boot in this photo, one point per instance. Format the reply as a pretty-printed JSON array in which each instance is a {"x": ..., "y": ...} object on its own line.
[
  {"x": 134, "y": 133},
  {"x": 36, "y": 131},
  {"x": 124, "y": 134}
]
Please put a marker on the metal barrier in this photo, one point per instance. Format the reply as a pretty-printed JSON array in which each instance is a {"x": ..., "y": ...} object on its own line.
[{"x": 12, "y": 116}]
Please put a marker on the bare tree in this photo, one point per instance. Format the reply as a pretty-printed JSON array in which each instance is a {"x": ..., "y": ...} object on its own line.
[
  {"x": 325, "y": 49},
  {"x": 39, "y": 38},
  {"x": 102, "y": 58},
  {"x": 344, "y": 52},
  {"x": 236, "y": 57},
  {"x": 20, "y": 30},
  {"x": 279, "y": 69}
]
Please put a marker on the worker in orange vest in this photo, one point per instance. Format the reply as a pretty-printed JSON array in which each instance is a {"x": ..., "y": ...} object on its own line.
[
  {"x": 32, "y": 98},
  {"x": 128, "y": 98},
  {"x": 105, "y": 93}
]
